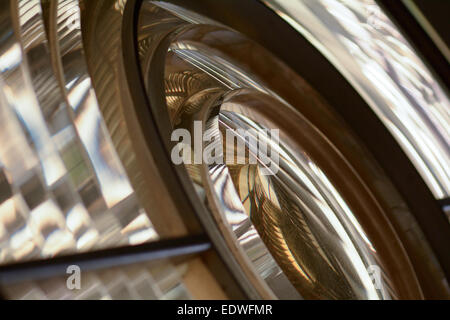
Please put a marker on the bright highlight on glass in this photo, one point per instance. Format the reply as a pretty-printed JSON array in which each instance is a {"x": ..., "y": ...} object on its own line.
[{"x": 361, "y": 41}]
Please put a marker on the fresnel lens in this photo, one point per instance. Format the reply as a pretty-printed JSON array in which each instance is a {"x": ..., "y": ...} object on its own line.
[{"x": 291, "y": 200}]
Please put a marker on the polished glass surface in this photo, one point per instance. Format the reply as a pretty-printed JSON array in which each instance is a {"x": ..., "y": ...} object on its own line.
[{"x": 369, "y": 50}]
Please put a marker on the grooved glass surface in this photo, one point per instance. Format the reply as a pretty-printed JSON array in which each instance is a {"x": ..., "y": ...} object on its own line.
[
  {"x": 62, "y": 186},
  {"x": 145, "y": 281}
]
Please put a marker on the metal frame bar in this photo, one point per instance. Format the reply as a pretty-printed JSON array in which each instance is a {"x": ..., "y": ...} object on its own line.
[
  {"x": 183, "y": 247},
  {"x": 419, "y": 38}
]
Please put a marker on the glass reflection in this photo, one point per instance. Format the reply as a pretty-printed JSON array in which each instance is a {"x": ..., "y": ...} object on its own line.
[
  {"x": 367, "y": 48},
  {"x": 294, "y": 226},
  {"x": 63, "y": 188}
]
